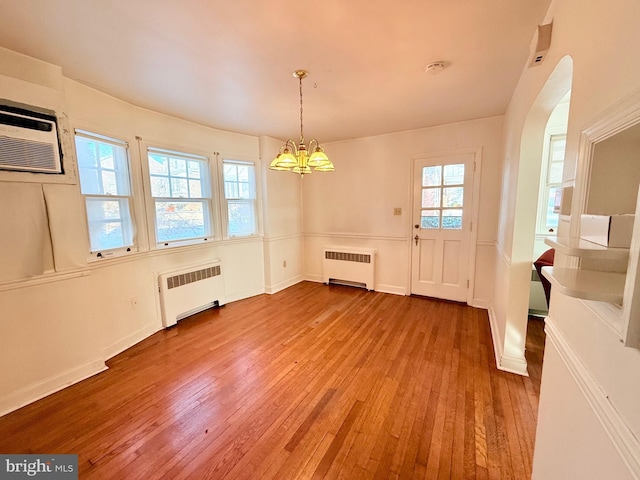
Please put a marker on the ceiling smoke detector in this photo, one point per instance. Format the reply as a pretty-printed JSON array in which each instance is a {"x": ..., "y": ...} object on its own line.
[{"x": 435, "y": 67}]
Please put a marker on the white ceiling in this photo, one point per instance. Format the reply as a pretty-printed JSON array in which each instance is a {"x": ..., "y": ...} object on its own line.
[{"x": 228, "y": 63}]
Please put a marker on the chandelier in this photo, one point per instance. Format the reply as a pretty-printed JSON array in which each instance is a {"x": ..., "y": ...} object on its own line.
[{"x": 297, "y": 158}]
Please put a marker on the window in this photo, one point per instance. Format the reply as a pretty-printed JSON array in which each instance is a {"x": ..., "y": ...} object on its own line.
[
  {"x": 240, "y": 197},
  {"x": 103, "y": 165},
  {"x": 180, "y": 188},
  {"x": 551, "y": 189},
  {"x": 442, "y": 197}
]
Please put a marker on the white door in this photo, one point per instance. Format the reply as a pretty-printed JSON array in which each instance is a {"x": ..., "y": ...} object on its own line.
[{"x": 442, "y": 196}]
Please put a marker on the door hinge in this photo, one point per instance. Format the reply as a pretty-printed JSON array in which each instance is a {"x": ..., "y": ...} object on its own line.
[
  {"x": 467, "y": 283},
  {"x": 471, "y": 228},
  {"x": 474, "y": 166}
]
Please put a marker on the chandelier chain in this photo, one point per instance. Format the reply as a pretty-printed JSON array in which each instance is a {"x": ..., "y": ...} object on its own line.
[{"x": 301, "y": 128}]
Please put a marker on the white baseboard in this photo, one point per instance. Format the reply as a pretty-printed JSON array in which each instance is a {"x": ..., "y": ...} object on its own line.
[
  {"x": 504, "y": 362},
  {"x": 130, "y": 340},
  {"x": 271, "y": 289},
  {"x": 31, "y": 393},
  {"x": 625, "y": 442},
  {"x": 480, "y": 303},
  {"x": 393, "y": 289}
]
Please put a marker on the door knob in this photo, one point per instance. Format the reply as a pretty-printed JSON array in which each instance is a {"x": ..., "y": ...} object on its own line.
[
  {"x": 416, "y": 238},
  {"x": 416, "y": 225}
]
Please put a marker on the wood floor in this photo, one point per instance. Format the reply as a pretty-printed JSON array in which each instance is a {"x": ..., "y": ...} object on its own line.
[{"x": 313, "y": 382}]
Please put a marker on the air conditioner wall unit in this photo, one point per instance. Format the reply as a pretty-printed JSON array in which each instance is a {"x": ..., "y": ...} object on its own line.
[{"x": 29, "y": 141}]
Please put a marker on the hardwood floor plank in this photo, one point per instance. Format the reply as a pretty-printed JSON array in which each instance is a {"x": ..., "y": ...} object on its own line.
[{"x": 312, "y": 382}]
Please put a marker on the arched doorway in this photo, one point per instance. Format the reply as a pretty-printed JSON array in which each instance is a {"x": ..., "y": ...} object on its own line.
[{"x": 525, "y": 214}]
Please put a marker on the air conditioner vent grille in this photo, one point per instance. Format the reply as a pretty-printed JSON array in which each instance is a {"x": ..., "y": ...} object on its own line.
[
  {"x": 191, "y": 277},
  {"x": 16, "y": 153},
  {"x": 348, "y": 256}
]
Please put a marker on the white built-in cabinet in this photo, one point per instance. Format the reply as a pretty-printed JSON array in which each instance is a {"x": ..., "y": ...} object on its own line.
[{"x": 607, "y": 180}]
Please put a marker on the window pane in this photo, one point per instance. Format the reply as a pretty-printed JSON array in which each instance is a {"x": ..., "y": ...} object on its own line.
[
  {"x": 430, "y": 219},
  {"x": 89, "y": 183},
  {"x": 558, "y": 145},
  {"x": 452, "y": 219},
  {"x": 241, "y": 218},
  {"x": 109, "y": 222},
  {"x": 430, "y": 197},
  {"x": 243, "y": 173},
  {"x": 555, "y": 172},
  {"x": 431, "y": 176},
  {"x": 109, "y": 183},
  {"x": 179, "y": 188},
  {"x": 245, "y": 190},
  {"x": 180, "y": 220},
  {"x": 194, "y": 169},
  {"x": 106, "y": 156},
  {"x": 230, "y": 173},
  {"x": 452, "y": 196},
  {"x": 552, "y": 217},
  {"x": 177, "y": 167},
  {"x": 195, "y": 189},
  {"x": 454, "y": 174},
  {"x": 160, "y": 187},
  {"x": 158, "y": 165},
  {"x": 231, "y": 190},
  {"x": 86, "y": 150}
]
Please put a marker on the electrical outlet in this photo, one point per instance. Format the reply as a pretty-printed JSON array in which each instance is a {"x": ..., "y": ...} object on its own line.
[
  {"x": 397, "y": 211},
  {"x": 135, "y": 303}
]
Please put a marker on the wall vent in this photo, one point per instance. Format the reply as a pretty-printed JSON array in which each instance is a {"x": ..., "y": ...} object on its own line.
[
  {"x": 349, "y": 266},
  {"x": 348, "y": 256},
  {"x": 189, "y": 291},
  {"x": 190, "y": 277}
]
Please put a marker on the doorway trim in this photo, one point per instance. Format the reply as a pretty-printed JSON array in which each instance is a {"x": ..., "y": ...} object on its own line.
[{"x": 475, "y": 209}]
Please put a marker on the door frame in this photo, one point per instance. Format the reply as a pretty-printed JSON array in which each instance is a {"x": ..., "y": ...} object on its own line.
[{"x": 475, "y": 209}]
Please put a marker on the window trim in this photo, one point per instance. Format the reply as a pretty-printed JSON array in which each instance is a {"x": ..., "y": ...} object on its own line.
[
  {"x": 224, "y": 202},
  {"x": 211, "y": 216},
  {"x": 132, "y": 198}
]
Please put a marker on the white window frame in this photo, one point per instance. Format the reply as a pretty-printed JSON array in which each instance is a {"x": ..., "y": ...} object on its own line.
[
  {"x": 129, "y": 227},
  {"x": 208, "y": 200},
  {"x": 545, "y": 185},
  {"x": 225, "y": 202}
]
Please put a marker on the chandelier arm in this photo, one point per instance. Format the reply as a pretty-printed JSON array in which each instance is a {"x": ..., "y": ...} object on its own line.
[{"x": 292, "y": 145}]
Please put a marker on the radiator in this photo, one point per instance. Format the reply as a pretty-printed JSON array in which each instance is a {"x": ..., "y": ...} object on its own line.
[
  {"x": 349, "y": 266},
  {"x": 191, "y": 290}
]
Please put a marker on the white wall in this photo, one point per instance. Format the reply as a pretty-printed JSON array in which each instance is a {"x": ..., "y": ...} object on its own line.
[
  {"x": 59, "y": 327},
  {"x": 588, "y": 423},
  {"x": 282, "y": 202},
  {"x": 354, "y": 205}
]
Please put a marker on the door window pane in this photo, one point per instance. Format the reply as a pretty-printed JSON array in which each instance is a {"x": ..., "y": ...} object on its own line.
[
  {"x": 430, "y": 198},
  {"x": 452, "y": 196},
  {"x": 430, "y": 219},
  {"x": 452, "y": 219},
  {"x": 432, "y": 176},
  {"x": 442, "y": 196},
  {"x": 454, "y": 174}
]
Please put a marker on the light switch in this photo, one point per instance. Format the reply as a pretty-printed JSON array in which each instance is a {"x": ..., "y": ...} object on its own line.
[{"x": 397, "y": 211}]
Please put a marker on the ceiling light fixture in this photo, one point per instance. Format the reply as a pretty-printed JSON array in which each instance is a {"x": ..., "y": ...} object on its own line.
[{"x": 296, "y": 158}]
